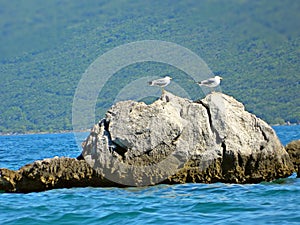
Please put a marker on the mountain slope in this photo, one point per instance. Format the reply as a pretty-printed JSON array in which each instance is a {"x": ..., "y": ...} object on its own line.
[{"x": 46, "y": 47}]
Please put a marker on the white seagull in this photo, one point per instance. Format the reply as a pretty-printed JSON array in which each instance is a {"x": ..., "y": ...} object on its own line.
[
  {"x": 211, "y": 82},
  {"x": 161, "y": 82}
]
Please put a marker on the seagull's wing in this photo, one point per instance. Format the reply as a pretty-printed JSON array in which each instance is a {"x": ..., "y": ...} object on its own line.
[
  {"x": 160, "y": 81},
  {"x": 208, "y": 81}
]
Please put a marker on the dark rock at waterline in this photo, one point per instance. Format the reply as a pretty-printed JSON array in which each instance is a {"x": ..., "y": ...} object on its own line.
[
  {"x": 172, "y": 140},
  {"x": 293, "y": 149},
  {"x": 49, "y": 174}
]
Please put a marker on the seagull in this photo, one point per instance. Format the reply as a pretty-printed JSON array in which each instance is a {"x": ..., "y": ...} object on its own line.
[
  {"x": 211, "y": 82},
  {"x": 163, "y": 82}
]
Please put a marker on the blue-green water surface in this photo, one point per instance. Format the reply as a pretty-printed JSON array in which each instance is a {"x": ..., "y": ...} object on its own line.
[{"x": 275, "y": 202}]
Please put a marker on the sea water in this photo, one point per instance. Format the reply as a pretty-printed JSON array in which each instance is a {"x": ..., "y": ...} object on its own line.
[{"x": 276, "y": 202}]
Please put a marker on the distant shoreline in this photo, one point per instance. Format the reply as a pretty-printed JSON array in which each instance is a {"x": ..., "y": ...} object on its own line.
[
  {"x": 88, "y": 130},
  {"x": 284, "y": 125},
  {"x": 44, "y": 132}
]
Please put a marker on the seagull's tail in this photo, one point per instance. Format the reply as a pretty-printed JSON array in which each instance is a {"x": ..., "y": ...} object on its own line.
[{"x": 150, "y": 83}]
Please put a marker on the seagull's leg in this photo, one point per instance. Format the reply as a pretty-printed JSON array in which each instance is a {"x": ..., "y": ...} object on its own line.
[{"x": 162, "y": 90}]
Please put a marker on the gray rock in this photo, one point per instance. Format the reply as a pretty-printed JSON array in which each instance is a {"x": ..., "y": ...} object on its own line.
[{"x": 175, "y": 140}]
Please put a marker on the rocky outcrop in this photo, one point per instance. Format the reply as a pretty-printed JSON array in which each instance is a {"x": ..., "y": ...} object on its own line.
[
  {"x": 293, "y": 150},
  {"x": 49, "y": 174},
  {"x": 172, "y": 140},
  {"x": 175, "y": 140}
]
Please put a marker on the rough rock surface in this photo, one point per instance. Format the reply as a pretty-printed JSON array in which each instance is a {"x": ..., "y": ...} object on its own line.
[
  {"x": 174, "y": 140},
  {"x": 293, "y": 149},
  {"x": 51, "y": 173}
]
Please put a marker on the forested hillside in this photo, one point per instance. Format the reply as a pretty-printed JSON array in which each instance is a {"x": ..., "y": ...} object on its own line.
[{"x": 46, "y": 46}]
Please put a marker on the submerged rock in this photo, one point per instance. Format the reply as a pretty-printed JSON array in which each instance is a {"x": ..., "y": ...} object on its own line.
[
  {"x": 172, "y": 140},
  {"x": 293, "y": 150}
]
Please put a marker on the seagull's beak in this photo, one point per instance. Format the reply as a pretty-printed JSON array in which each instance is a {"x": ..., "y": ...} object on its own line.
[{"x": 221, "y": 78}]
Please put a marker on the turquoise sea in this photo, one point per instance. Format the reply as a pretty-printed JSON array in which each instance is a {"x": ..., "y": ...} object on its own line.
[{"x": 276, "y": 202}]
